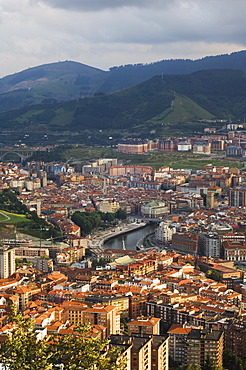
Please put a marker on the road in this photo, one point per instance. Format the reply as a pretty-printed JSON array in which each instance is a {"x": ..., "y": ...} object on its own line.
[{"x": 7, "y": 217}]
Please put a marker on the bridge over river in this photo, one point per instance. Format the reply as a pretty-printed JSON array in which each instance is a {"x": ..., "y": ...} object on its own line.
[{"x": 10, "y": 153}]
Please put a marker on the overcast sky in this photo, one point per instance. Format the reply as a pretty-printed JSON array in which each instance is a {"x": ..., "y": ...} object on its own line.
[{"x": 106, "y": 33}]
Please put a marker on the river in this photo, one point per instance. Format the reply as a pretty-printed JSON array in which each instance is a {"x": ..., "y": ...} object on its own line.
[{"x": 130, "y": 238}]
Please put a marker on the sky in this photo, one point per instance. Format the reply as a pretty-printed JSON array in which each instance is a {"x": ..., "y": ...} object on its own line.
[{"x": 107, "y": 33}]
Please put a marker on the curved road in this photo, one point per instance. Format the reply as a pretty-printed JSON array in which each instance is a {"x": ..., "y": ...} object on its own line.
[{"x": 7, "y": 217}]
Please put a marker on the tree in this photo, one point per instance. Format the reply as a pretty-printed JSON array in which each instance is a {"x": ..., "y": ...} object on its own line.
[
  {"x": 214, "y": 275},
  {"x": 22, "y": 350},
  {"x": 232, "y": 361},
  {"x": 121, "y": 214},
  {"x": 82, "y": 351},
  {"x": 209, "y": 365}
]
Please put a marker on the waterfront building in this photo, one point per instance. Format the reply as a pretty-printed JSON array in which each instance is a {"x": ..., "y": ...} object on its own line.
[
  {"x": 154, "y": 209},
  {"x": 164, "y": 232}
]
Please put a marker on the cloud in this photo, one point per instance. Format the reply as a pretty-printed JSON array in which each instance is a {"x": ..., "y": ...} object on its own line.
[
  {"x": 97, "y": 5},
  {"x": 104, "y": 33}
]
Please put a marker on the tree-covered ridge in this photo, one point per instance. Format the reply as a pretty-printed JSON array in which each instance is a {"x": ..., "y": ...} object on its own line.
[
  {"x": 69, "y": 80},
  {"x": 167, "y": 99}
]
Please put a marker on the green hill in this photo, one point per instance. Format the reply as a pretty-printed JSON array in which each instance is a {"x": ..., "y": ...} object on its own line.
[
  {"x": 49, "y": 83},
  {"x": 174, "y": 100},
  {"x": 68, "y": 80}
]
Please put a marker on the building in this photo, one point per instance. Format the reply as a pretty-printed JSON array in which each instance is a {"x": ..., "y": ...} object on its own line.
[
  {"x": 233, "y": 151},
  {"x": 31, "y": 252},
  {"x": 141, "y": 353},
  {"x": 73, "y": 312},
  {"x": 185, "y": 242},
  {"x": 137, "y": 146},
  {"x": 201, "y": 148},
  {"x": 184, "y": 146},
  {"x": 234, "y": 250},
  {"x": 107, "y": 316},
  {"x": 121, "y": 302},
  {"x": 209, "y": 245},
  {"x": 109, "y": 206},
  {"x": 154, "y": 209},
  {"x": 235, "y": 337},
  {"x": 164, "y": 232},
  {"x": 144, "y": 325},
  {"x": 204, "y": 344},
  {"x": 147, "y": 352},
  {"x": 129, "y": 170},
  {"x": 7, "y": 261},
  {"x": 44, "y": 264},
  {"x": 133, "y": 146},
  {"x": 177, "y": 342},
  {"x": 237, "y": 197},
  {"x": 159, "y": 353}
]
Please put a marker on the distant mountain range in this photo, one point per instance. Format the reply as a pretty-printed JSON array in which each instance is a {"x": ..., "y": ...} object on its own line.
[
  {"x": 159, "y": 101},
  {"x": 68, "y": 80},
  {"x": 69, "y": 97}
]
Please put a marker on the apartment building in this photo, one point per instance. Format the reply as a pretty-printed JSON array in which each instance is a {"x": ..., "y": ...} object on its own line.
[
  {"x": 164, "y": 233},
  {"x": 121, "y": 302},
  {"x": 237, "y": 197},
  {"x": 141, "y": 353},
  {"x": 185, "y": 243},
  {"x": 148, "y": 352},
  {"x": 159, "y": 353},
  {"x": 107, "y": 316},
  {"x": 209, "y": 245},
  {"x": 73, "y": 312},
  {"x": 204, "y": 344},
  {"x": 7, "y": 261},
  {"x": 194, "y": 346},
  {"x": 144, "y": 325},
  {"x": 177, "y": 342}
]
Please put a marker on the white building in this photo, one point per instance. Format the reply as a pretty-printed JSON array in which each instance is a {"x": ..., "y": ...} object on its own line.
[
  {"x": 164, "y": 232},
  {"x": 7, "y": 261},
  {"x": 154, "y": 209}
]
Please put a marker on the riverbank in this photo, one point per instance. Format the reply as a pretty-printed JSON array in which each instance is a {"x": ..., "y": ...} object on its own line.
[{"x": 96, "y": 243}]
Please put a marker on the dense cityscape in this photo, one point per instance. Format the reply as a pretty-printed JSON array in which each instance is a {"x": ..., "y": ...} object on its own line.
[{"x": 175, "y": 299}]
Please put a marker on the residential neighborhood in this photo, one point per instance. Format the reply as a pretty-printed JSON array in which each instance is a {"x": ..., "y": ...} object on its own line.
[{"x": 184, "y": 284}]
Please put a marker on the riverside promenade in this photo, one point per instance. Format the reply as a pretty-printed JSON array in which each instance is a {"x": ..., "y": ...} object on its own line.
[{"x": 97, "y": 240}]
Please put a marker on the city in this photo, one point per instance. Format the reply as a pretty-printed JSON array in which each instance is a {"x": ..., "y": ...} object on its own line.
[{"x": 177, "y": 297}]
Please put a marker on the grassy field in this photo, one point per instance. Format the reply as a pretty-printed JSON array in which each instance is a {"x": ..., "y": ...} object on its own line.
[
  {"x": 156, "y": 160},
  {"x": 11, "y": 218}
]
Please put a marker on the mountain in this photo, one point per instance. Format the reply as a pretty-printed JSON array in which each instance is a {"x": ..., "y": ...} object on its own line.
[
  {"x": 128, "y": 75},
  {"x": 68, "y": 80},
  {"x": 173, "y": 101},
  {"x": 49, "y": 83}
]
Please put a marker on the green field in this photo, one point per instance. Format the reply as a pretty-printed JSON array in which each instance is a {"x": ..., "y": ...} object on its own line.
[
  {"x": 11, "y": 218},
  {"x": 156, "y": 160}
]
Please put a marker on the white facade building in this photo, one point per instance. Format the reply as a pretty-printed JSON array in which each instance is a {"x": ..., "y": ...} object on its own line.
[{"x": 164, "y": 232}]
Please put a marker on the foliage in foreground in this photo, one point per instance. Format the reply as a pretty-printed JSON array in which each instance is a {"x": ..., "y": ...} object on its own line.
[{"x": 22, "y": 350}]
